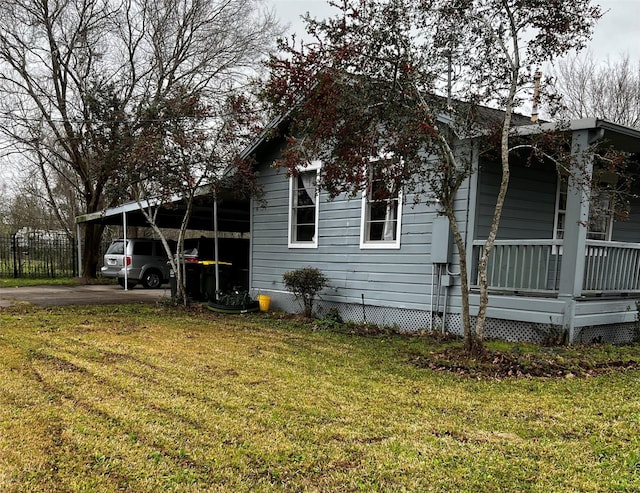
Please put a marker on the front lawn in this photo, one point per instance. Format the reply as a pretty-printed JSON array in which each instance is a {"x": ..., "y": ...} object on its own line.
[{"x": 151, "y": 399}]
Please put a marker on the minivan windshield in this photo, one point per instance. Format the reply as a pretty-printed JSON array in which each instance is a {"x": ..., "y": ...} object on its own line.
[{"x": 116, "y": 248}]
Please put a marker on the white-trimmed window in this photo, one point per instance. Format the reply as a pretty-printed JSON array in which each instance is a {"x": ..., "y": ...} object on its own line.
[
  {"x": 380, "y": 224},
  {"x": 303, "y": 207},
  {"x": 600, "y": 217},
  {"x": 600, "y": 225}
]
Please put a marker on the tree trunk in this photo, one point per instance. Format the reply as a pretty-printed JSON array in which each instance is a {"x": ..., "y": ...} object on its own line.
[
  {"x": 472, "y": 343},
  {"x": 91, "y": 250},
  {"x": 504, "y": 183}
]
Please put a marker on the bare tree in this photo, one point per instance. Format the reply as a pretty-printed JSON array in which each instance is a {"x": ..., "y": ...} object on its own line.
[
  {"x": 609, "y": 90},
  {"x": 189, "y": 149},
  {"x": 76, "y": 77}
]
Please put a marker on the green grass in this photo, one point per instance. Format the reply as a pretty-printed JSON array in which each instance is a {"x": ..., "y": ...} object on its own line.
[
  {"x": 57, "y": 281},
  {"x": 143, "y": 398},
  {"x": 26, "y": 281}
]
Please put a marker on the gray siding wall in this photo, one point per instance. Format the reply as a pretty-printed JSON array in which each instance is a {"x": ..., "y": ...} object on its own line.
[
  {"x": 398, "y": 278},
  {"x": 529, "y": 207}
]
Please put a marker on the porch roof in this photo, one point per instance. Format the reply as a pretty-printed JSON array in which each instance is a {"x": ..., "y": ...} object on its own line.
[{"x": 626, "y": 139}]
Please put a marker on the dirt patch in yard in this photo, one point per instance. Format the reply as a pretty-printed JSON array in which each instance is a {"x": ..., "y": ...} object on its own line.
[
  {"x": 500, "y": 364},
  {"x": 501, "y": 360}
]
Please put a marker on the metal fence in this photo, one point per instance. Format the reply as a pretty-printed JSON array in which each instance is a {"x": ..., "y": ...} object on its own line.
[{"x": 37, "y": 255}]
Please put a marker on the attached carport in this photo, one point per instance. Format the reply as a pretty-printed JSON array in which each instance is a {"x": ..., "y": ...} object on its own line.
[{"x": 227, "y": 219}]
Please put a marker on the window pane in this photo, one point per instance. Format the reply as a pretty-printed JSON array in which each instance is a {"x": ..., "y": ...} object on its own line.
[
  {"x": 562, "y": 197},
  {"x": 306, "y": 188},
  {"x": 375, "y": 231},
  {"x": 377, "y": 211},
  {"x": 305, "y": 232},
  {"x": 306, "y": 215},
  {"x": 142, "y": 248},
  {"x": 303, "y": 198},
  {"x": 560, "y": 230},
  {"x": 116, "y": 248},
  {"x": 303, "y": 213}
]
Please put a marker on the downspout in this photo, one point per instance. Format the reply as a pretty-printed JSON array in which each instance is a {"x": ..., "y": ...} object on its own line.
[
  {"x": 444, "y": 310},
  {"x": 439, "y": 288},
  {"x": 433, "y": 268}
]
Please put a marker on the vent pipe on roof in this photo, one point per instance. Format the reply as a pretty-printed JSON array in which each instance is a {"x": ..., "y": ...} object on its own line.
[
  {"x": 536, "y": 96},
  {"x": 449, "y": 81}
]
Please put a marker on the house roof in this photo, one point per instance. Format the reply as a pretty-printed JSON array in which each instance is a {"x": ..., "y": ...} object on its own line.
[{"x": 233, "y": 215}]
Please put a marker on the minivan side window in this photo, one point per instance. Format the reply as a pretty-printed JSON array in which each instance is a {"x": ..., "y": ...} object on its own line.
[{"x": 143, "y": 248}]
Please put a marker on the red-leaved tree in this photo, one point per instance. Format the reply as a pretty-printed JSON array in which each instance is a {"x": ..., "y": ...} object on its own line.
[{"x": 410, "y": 80}]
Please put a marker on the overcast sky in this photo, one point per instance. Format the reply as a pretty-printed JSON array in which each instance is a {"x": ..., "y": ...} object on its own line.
[{"x": 617, "y": 33}]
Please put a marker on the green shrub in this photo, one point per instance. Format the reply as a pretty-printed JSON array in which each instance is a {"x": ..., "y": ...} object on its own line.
[{"x": 305, "y": 284}]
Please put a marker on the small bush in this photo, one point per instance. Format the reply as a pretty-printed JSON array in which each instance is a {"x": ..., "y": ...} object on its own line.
[
  {"x": 305, "y": 284},
  {"x": 332, "y": 320}
]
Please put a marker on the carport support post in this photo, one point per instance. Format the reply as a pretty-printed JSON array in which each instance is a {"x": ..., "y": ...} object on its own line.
[
  {"x": 124, "y": 257},
  {"x": 215, "y": 244},
  {"x": 79, "y": 245}
]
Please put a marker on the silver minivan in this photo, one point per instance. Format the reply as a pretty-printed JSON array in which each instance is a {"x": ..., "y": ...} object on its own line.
[{"x": 145, "y": 260}]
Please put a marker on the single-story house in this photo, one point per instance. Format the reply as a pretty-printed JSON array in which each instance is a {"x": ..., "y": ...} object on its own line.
[{"x": 397, "y": 264}]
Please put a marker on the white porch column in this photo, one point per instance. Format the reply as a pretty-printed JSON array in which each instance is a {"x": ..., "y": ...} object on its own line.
[{"x": 575, "y": 229}]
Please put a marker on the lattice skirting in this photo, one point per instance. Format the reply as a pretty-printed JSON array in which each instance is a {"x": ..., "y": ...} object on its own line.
[
  {"x": 415, "y": 320},
  {"x": 615, "y": 333}
]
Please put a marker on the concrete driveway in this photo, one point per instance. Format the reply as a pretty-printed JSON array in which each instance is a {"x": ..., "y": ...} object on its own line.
[{"x": 80, "y": 295}]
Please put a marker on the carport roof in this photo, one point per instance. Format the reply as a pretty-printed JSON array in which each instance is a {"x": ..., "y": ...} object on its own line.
[{"x": 233, "y": 214}]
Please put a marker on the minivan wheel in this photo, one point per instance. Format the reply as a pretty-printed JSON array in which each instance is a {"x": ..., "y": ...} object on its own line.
[
  {"x": 130, "y": 284},
  {"x": 151, "y": 279}
]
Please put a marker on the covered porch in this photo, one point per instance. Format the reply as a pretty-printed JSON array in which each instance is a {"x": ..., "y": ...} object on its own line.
[
  {"x": 526, "y": 285},
  {"x": 568, "y": 279}
]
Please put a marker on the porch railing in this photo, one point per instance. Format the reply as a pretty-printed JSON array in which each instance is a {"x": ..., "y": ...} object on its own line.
[
  {"x": 611, "y": 267},
  {"x": 521, "y": 265},
  {"x": 533, "y": 266}
]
